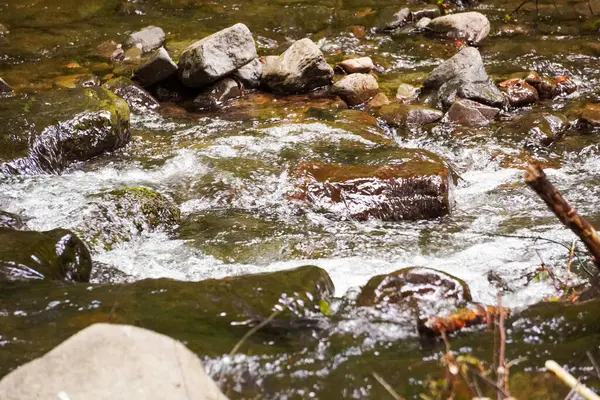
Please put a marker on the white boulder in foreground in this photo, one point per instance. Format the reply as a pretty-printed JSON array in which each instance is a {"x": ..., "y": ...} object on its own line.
[{"x": 113, "y": 362}]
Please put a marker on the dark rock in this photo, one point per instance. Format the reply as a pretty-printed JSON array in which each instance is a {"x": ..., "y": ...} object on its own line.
[
  {"x": 107, "y": 274},
  {"x": 117, "y": 216},
  {"x": 409, "y": 191},
  {"x": 399, "y": 115},
  {"x": 301, "y": 68},
  {"x": 362, "y": 65},
  {"x": 356, "y": 89},
  {"x": 249, "y": 75},
  {"x": 470, "y": 26},
  {"x": 157, "y": 67},
  {"x": 470, "y": 113},
  {"x": 216, "y": 96},
  {"x": 216, "y": 56},
  {"x": 148, "y": 39},
  {"x": 56, "y": 254},
  {"x": 550, "y": 88},
  {"x": 394, "y": 21},
  {"x": 425, "y": 12},
  {"x": 424, "y": 290},
  {"x": 519, "y": 93},
  {"x": 589, "y": 117},
  {"x": 466, "y": 65},
  {"x": 10, "y": 220},
  {"x": 49, "y": 131},
  {"x": 172, "y": 90},
  {"x": 407, "y": 93},
  {"x": 5, "y": 88},
  {"x": 113, "y": 353},
  {"x": 139, "y": 100}
]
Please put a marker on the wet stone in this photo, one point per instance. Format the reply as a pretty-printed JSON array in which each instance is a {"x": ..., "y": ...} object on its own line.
[
  {"x": 148, "y": 39},
  {"x": 10, "y": 220},
  {"x": 155, "y": 68},
  {"x": 466, "y": 65},
  {"x": 394, "y": 21},
  {"x": 216, "y": 96},
  {"x": 5, "y": 88},
  {"x": 472, "y": 113},
  {"x": 399, "y": 115},
  {"x": 51, "y": 130},
  {"x": 300, "y": 69},
  {"x": 424, "y": 290},
  {"x": 519, "y": 93},
  {"x": 410, "y": 191},
  {"x": 472, "y": 27},
  {"x": 217, "y": 56},
  {"x": 539, "y": 128},
  {"x": 356, "y": 89},
  {"x": 423, "y": 23},
  {"x": 407, "y": 93},
  {"x": 589, "y": 117},
  {"x": 249, "y": 75},
  {"x": 58, "y": 255},
  {"x": 362, "y": 65},
  {"x": 138, "y": 99},
  {"x": 380, "y": 99}
]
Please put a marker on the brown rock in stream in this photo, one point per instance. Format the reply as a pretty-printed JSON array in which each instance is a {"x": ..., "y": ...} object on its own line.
[
  {"x": 518, "y": 92},
  {"x": 410, "y": 191}
]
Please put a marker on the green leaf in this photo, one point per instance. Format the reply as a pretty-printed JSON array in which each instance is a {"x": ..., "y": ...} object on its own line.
[
  {"x": 324, "y": 307},
  {"x": 507, "y": 17}
]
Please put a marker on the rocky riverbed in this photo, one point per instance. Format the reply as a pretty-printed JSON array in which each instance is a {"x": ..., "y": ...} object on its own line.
[{"x": 350, "y": 169}]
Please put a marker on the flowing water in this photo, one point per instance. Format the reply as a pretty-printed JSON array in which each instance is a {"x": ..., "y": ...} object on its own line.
[{"x": 230, "y": 173}]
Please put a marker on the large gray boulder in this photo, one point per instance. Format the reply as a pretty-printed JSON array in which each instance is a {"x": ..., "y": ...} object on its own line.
[
  {"x": 249, "y": 75},
  {"x": 470, "y": 26},
  {"x": 116, "y": 362},
  {"x": 301, "y": 68},
  {"x": 148, "y": 39},
  {"x": 216, "y": 56},
  {"x": 356, "y": 89},
  {"x": 463, "y": 76}
]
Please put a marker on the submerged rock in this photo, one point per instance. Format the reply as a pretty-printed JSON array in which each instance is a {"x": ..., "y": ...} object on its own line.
[
  {"x": 124, "y": 362},
  {"x": 409, "y": 191},
  {"x": 154, "y": 68},
  {"x": 49, "y": 131},
  {"x": 470, "y": 26},
  {"x": 399, "y": 115},
  {"x": 210, "y": 316},
  {"x": 380, "y": 99},
  {"x": 464, "y": 76},
  {"x": 589, "y": 117},
  {"x": 301, "y": 68},
  {"x": 10, "y": 220},
  {"x": 536, "y": 128},
  {"x": 216, "y": 96},
  {"x": 5, "y": 88},
  {"x": 394, "y": 21},
  {"x": 148, "y": 39},
  {"x": 249, "y": 75},
  {"x": 424, "y": 290},
  {"x": 361, "y": 65},
  {"x": 407, "y": 93},
  {"x": 138, "y": 99},
  {"x": 519, "y": 93},
  {"x": 356, "y": 89},
  {"x": 216, "y": 56},
  {"x": 56, "y": 255},
  {"x": 469, "y": 112},
  {"x": 116, "y": 216}
]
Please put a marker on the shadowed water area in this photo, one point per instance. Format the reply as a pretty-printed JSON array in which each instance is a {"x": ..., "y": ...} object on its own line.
[{"x": 233, "y": 175}]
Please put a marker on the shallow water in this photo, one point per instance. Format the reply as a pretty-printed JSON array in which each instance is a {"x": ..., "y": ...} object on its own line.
[{"x": 231, "y": 175}]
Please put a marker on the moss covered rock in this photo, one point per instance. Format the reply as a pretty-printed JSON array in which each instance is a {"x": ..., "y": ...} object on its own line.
[
  {"x": 210, "y": 316},
  {"x": 49, "y": 131},
  {"x": 58, "y": 254},
  {"x": 116, "y": 216}
]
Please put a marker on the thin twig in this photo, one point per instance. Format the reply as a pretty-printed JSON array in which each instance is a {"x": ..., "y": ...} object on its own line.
[
  {"x": 591, "y": 357},
  {"x": 570, "y": 381},
  {"x": 488, "y": 381},
  {"x": 571, "y": 257},
  {"x": 573, "y": 391},
  {"x": 252, "y": 332},
  {"x": 387, "y": 387}
]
